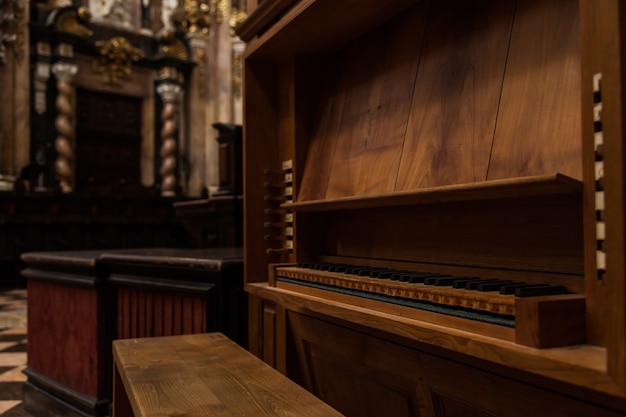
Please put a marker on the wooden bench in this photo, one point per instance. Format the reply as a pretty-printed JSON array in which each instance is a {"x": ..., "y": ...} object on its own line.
[{"x": 203, "y": 375}]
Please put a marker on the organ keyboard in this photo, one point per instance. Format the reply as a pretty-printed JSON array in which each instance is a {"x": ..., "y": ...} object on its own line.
[{"x": 496, "y": 301}]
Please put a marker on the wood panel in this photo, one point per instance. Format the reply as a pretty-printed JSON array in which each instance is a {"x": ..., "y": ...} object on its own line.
[
  {"x": 455, "y": 101},
  {"x": 206, "y": 375},
  {"x": 361, "y": 375},
  {"x": 149, "y": 313},
  {"x": 358, "y": 375},
  {"x": 456, "y": 388},
  {"x": 539, "y": 126},
  {"x": 603, "y": 34},
  {"x": 540, "y": 234},
  {"x": 260, "y": 154},
  {"x": 61, "y": 346},
  {"x": 359, "y": 142}
]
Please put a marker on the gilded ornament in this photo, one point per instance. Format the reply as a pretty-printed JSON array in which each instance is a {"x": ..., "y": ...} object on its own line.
[
  {"x": 220, "y": 9},
  {"x": 70, "y": 22},
  {"x": 191, "y": 16},
  {"x": 116, "y": 58},
  {"x": 174, "y": 46},
  {"x": 236, "y": 18}
]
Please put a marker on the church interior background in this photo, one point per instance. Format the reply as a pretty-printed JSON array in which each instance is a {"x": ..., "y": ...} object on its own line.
[{"x": 106, "y": 101}]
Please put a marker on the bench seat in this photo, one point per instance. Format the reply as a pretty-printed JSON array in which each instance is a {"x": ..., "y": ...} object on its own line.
[{"x": 203, "y": 375}]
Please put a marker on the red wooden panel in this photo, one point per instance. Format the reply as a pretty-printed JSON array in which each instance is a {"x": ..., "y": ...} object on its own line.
[
  {"x": 132, "y": 314},
  {"x": 158, "y": 314},
  {"x": 168, "y": 314},
  {"x": 177, "y": 315},
  {"x": 149, "y": 312},
  {"x": 60, "y": 346},
  {"x": 141, "y": 313},
  {"x": 187, "y": 315},
  {"x": 199, "y": 314}
]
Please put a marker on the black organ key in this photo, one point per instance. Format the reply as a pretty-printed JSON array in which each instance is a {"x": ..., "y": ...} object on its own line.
[
  {"x": 382, "y": 274},
  {"x": 338, "y": 268},
  {"x": 460, "y": 283},
  {"x": 415, "y": 277},
  {"x": 510, "y": 288},
  {"x": 492, "y": 286},
  {"x": 432, "y": 279},
  {"x": 448, "y": 280},
  {"x": 397, "y": 275},
  {"x": 354, "y": 270},
  {"x": 540, "y": 289},
  {"x": 473, "y": 285}
]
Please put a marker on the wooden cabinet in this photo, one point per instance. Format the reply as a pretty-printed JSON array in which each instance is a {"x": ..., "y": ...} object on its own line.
[
  {"x": 79, "y": 301},
  {"x": 458, "y": 138}
]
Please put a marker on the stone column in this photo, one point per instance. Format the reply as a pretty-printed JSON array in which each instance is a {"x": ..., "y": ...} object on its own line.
[
  {"x": 64, "y": 123},
  {"x": 170, "y": 94},
  {"x": 200, "y": 135}
]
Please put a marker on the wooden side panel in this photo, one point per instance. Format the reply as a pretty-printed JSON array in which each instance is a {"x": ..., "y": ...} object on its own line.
[
  {"x": 604, "y": 36},
  {"x": 357, "y": 146},
  {"x": 260, "y": 153},
  {"x": 255, "y": 328},
  {"x": 539, "y": 129},
  {"x": 269, "y": 333},
  {"x": 146, "y": 313},
  {"x": 66, "y": 328},
  {"x": 354, "y": 373},
  {"x": 458, "y": 390},
  {"x": 453, "y": 114}
]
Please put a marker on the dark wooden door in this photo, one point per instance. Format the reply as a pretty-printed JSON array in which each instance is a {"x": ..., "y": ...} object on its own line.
[{"x": 108, "y": 140}]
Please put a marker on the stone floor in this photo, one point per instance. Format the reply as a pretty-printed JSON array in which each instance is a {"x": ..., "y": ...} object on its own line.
[{"x": 12, "y": 351}]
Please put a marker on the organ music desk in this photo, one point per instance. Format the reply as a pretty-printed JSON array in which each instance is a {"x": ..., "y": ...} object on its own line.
[{"x": 434, "y": 198}]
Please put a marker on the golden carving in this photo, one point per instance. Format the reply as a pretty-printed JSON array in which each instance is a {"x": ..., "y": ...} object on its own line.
[
  {"x": 235, "y": 20},
  {"x": 191, "y": 16},
  {"x": 220, "y": 9},
  {"x": 116, "y": 58},
  {"x": 69, "y": 22},
  {"x": 168, "y": 73},
  {"x": 174, "y": 47},
  {"x": 20, "y": 36},
  {"x": 237, "y": 73},
  {"x": 202, "y": 71}
]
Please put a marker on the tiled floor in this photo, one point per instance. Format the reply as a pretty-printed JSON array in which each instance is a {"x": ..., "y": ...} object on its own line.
[{"x": 12, "y": 351}]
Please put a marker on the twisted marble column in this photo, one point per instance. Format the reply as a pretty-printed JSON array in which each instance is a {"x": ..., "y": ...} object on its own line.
[
  {"x": 170, "y": 93},
  {"x": 64, "y": 123}
]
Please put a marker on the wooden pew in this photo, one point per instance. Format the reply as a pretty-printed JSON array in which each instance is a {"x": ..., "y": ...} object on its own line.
[{"x": 203, "y": 375}]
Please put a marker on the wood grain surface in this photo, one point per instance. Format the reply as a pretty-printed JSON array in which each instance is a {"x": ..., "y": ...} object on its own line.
[
  {"x": 455, "y": 101},
  {"x": 539, "y": 126},
  {"x": 206, "y": 375}
]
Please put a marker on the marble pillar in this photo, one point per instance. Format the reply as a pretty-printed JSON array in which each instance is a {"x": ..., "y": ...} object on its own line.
[
  {"x": 170, "y": 94},
  {"x": 199, "y": 132},
  {"x": 64, "y": 124}
]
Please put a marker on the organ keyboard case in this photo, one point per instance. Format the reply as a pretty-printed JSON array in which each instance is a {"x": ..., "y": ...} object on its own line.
[{"x": 434, "y": 203}]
